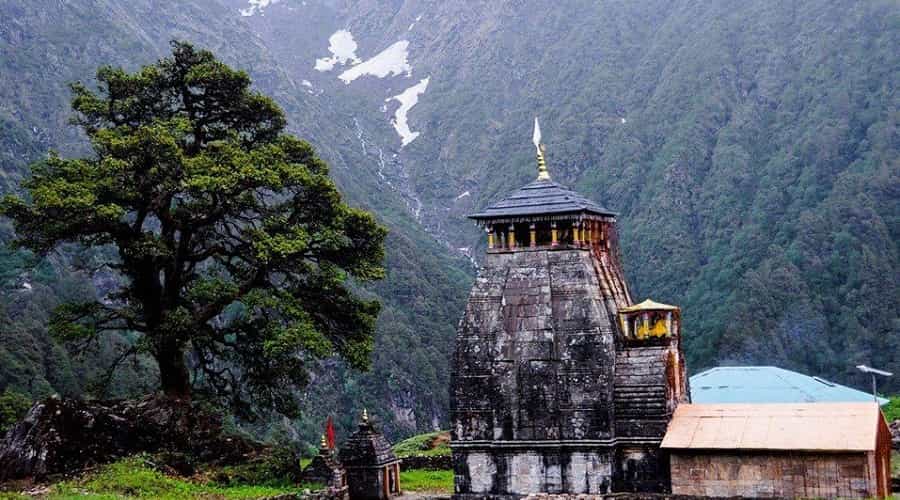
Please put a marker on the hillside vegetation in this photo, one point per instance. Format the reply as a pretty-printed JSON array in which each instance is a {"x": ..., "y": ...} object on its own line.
[
  {"x": 42, "y": 54},
  {"x": 751, "y": 149}
]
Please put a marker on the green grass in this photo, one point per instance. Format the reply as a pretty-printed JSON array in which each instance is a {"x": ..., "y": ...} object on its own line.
[
  {"x": 421, "y": 445},
  {"x": 430, "y": 481},
  {"x": 892, "y": 409},
  {"x": 133, "y": 478}
]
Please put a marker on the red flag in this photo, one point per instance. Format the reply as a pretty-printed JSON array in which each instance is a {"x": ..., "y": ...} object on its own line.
[{"x": 329, "y": 432}]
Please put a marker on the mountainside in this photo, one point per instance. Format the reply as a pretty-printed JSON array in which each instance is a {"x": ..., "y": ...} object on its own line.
[
  {"x": 45, "y": 47},
  {"x": 751, "y": 149}
]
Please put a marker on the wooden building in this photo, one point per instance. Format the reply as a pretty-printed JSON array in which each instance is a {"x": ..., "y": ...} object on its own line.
[{"x": 810, "y": 450}]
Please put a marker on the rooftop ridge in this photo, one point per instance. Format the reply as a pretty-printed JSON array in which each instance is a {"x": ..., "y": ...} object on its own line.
[{"x": 538, "y": 197}]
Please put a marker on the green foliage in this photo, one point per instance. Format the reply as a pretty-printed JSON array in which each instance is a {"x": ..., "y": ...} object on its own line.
[
  {"x": 430, "y": 444},
  {"x": 421, "y": 296},
  {"x": 13, "y": 407},
  {"x": 427, "y": 481},
  {"x": 136, "y": 478},
  {"x": 232, "y": 241},
  {"x": 281, "y": 466},
  {"x": 892, "y": 409},
  {"x": 754, "y": 173}
]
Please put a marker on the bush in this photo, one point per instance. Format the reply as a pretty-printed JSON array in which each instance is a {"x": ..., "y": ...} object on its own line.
[
  {"x": 431, "y": 444},
  {"x": 279, "y": 467},
  {"x": 13, "y": 407},
  {"x": 892, "y": 409}
]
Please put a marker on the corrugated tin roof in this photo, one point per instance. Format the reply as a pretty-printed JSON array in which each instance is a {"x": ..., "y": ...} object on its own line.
[
  {"x": 768, "y": 384},
  {"x": 799, "y": 427},
  {"x": 541, "y": 197},
  {"x": 648, "y": 305}
]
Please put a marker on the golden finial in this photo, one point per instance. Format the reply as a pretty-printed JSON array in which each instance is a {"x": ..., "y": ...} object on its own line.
[
  {"x": 323, "y": 443},
  {"x": 365, "y": 416},
  {"x": 543, "y": 174}
]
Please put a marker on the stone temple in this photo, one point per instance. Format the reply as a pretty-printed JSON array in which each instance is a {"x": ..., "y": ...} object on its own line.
[{"x": 560, "y": 383}]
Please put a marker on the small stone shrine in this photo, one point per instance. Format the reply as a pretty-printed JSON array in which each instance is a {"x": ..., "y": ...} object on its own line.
[
  {"x": 373, "y": 471},
  {"x": 325, "y": 469},
  {"x": 560, "y": 383}
]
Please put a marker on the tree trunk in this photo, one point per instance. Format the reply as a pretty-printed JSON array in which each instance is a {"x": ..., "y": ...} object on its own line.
[{"x": 174, "y": 378}]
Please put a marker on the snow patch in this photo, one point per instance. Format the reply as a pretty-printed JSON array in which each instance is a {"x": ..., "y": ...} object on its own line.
[
  {"x": 390, "y": 61},
  {"x": 306, "y": 83},
  {"x": 407, "y": 99},
  {"x": 414, "y": 23},
  {"x": 463, "y": 195},
  {"x": 624, "y": 120},
  {"x": 26, "y": 286},
  {"x": 343, "y": 51},
  {"x": 257, "y": 6}
]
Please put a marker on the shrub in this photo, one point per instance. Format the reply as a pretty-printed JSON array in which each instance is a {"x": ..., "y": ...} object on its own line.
[
  {"x": 13, "y": 407},
  {"x": 892, "y": 409}
]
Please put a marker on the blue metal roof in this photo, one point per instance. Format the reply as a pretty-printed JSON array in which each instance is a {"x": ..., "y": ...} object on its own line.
[{"x": 768, "y": 384}]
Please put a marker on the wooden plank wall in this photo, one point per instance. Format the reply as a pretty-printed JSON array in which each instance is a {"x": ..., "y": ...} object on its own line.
[{"x": 772, "y": 475}]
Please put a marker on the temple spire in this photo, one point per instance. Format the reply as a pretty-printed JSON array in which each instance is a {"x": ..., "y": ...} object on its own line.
[{"x": 543, "y": 174}]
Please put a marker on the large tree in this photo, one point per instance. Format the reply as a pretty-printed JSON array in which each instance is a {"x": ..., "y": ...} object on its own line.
[{"x": 236, "y": 252}]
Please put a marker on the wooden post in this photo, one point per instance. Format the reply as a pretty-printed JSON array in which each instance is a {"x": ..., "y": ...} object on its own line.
[
  {"x": 512, "y": 237},
  {"x": 575, "y": 239},
  {"x": 490, "y": 233},
  {"x": 533, "y": 241},
  {"x": 589, "y": 237},
  {"x": 553, "y": 241}
]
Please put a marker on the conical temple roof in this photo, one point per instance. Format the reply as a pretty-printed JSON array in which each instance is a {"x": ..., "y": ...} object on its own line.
[
  {"x": 367, "y": 448},
  {"x": 541, "y": 197}
]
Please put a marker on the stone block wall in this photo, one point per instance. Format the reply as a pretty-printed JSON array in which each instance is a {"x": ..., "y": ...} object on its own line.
[
  {"x": 546, "y": 395},
  {"x": 490, "y": 473},
  {"x": 772, "y": 475},
  {"x": 535, "y": 352},
  {"x": 427, "y": 462}
]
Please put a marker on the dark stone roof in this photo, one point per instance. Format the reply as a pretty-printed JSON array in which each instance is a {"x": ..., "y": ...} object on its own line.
[
  {"x": 367, "y": 448},
  {"x": 322, "y": 468},
  {"x": 541, "y": 197}
]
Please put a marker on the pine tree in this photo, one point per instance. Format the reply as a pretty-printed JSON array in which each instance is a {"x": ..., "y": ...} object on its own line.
[{"x": 236, "y": 251}]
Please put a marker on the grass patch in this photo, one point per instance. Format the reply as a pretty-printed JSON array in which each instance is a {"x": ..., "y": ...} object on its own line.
[
  {"x": 431, "y": 444},
  {"x": 895, "y": 464},
  {"x": 133, "y": 478},
  {"x": 427, "y": 481}
]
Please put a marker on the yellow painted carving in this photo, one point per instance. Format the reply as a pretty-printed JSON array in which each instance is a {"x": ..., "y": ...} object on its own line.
[{"x": 659, "y": 329}]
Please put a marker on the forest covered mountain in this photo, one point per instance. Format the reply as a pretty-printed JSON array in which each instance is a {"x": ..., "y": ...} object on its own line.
[{"x": 750, "y": 148}]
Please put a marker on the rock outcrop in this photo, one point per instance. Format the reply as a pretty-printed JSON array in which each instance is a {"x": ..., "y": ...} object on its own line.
[
  {"x": 895, "y": 434},
  {"x": 65, "y": 435}
]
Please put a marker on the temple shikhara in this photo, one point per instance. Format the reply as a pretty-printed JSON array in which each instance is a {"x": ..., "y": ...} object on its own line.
[{"x": 561, "y": 382}]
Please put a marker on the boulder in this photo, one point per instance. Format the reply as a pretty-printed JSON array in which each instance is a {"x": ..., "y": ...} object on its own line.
[{"x": 66, "y": 435}]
